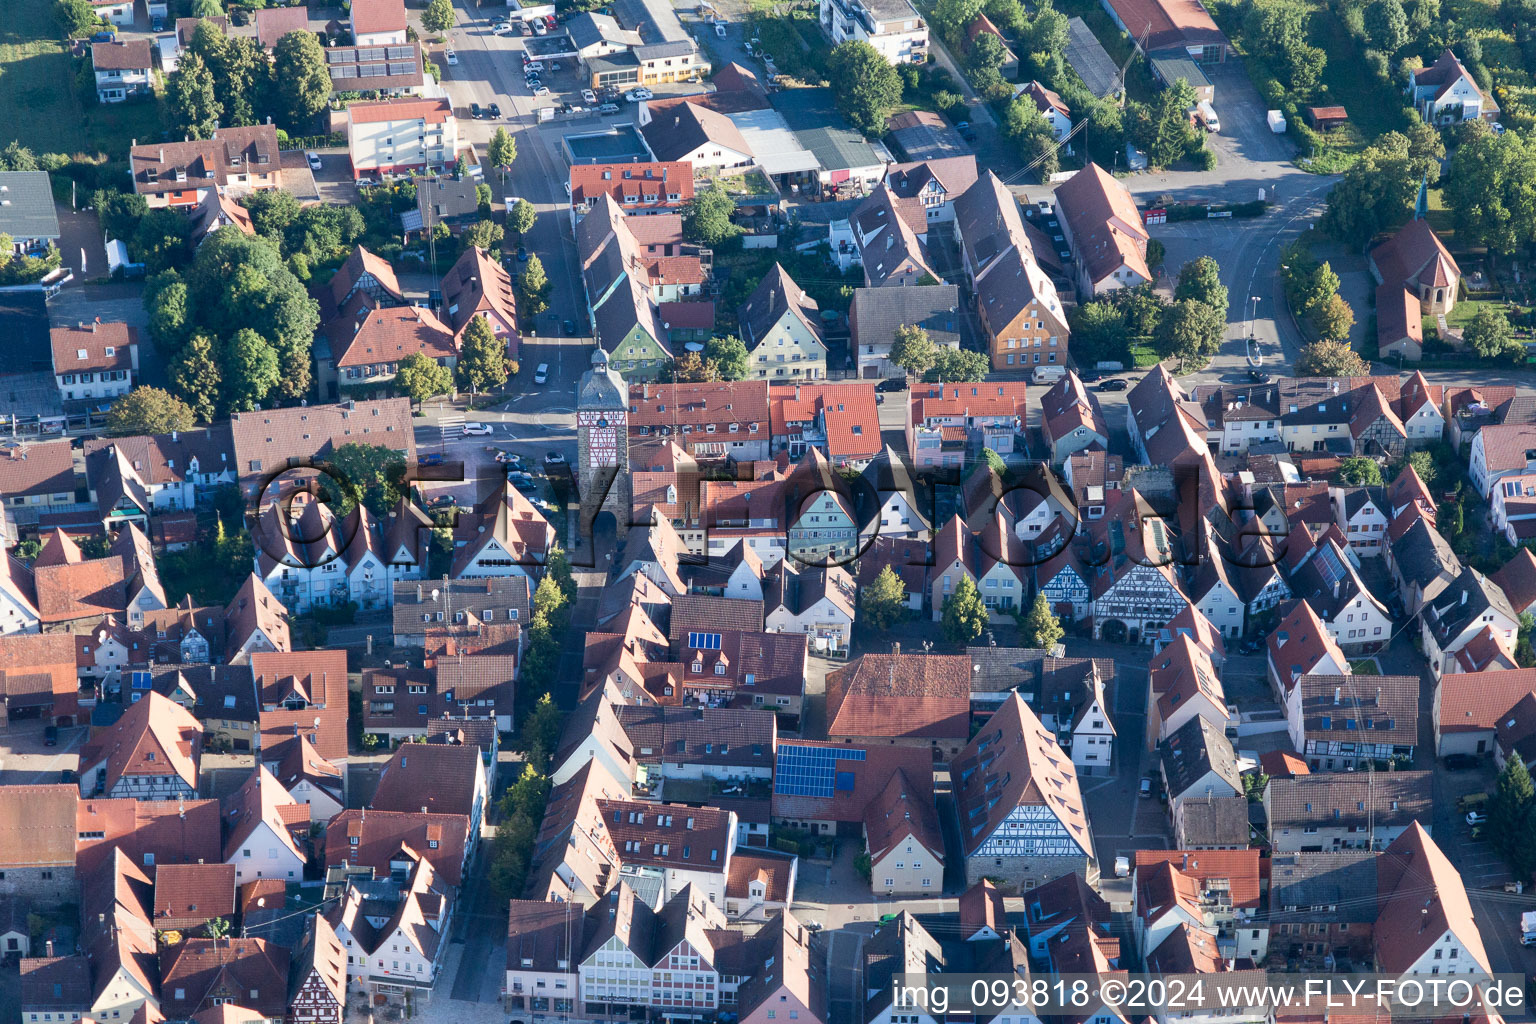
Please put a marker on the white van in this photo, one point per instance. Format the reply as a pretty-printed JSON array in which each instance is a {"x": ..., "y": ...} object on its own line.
[
  {"x": 1049, "y": 374},
  {"x": 1208, "y": 116}
]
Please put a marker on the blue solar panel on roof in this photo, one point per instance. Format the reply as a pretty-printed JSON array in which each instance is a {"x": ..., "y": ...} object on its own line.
[{"x": 812, "y": 771}]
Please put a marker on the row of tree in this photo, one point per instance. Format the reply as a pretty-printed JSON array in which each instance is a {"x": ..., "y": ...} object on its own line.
[
  {"x": 1312, "y": 289},
  {"x": 229, "y": 81},
  {"x": 1190, "y": 328}
]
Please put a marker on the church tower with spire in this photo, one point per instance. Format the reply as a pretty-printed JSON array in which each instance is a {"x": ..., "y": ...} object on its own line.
[{"x": 602, "y": 443}]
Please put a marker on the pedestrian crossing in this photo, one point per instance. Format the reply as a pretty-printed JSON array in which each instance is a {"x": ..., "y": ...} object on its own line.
[{"x": 451, "y": 426}]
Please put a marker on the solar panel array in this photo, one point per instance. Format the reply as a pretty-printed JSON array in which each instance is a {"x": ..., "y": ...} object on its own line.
[
  {"x": 139, "y": 680},
  {"x": 402, "y": 53},
  {"x": 372, "y": 53},
  {"x": 345, "y": 71},
  {"x": 812, "y": 771},
  {"x": 704, "y": 641},
  {"x": 1330, "y": 568}
]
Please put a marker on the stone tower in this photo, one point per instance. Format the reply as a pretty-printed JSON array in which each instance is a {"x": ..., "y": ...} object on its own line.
[{"x": 602, "y": 444}]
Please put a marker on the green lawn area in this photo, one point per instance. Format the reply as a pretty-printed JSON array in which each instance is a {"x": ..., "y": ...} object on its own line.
[
  {"x": 1440, "y": 217},
  {"x": 1364, "y": 667},
  {"x": 1374, "y": 107},
  {"x": 38, "y": 91},
  {"x": 752, "y": 183},
  {"x": 37, "y": 80}
]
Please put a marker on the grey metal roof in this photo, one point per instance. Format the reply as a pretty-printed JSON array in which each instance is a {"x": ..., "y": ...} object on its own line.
[
  {"x": 812, "y": 115},
  {"x": 1090, "y": 60},
  {"x": 1221, "y": 822},
  {"x": 26, "y": 205},
  {"x": 665, "y": 48}
]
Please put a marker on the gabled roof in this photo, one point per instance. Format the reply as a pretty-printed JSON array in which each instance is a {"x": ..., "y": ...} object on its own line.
[
  {"x": 909, "y": 695},
  {"x": 154, "y": 737},
  {"x": 1415, "y": 257},
  {"x": 1518, "y": 580},
  {"x": 847, "y": 411},
  {"x": 1196, "y": 748},
  {"x": 477, "y": 284},
  {"x": 982, "y": 906},
  {"x": 438, "y": 777},
  {"x": 37, "y": 826},
  {"x": 1473, "y": 701},
  {"x": 676, "y": 131},
  {"x": 545, "y": 937},
  {"x": 1068, "y": 406},
  {"x": 260, "y": 800},
  {"x": 200, "y": 970},
  {"x": 1011, "y": 763},
  {"x": 1106, "y": 228},
  {"x": 904, "y": 809},
  {"x": 127, "y": 55},
  {"x": 186, "y": 895},
  {"x": 1464, "y": 603},
  {"x": 1348, "y": 799},
  {"x": 375, "y": 16},
  {"x": 1422, "y": 897},
  {"x": 776, "y": 296},
  {"x": 380, "y": 835}
]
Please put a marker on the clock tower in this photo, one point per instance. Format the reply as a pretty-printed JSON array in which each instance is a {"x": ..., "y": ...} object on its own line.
[{"x": 602, "y": 444}]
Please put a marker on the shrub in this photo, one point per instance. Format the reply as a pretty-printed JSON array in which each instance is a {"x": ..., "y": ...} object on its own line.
[{"x": 1205, "y": 159}]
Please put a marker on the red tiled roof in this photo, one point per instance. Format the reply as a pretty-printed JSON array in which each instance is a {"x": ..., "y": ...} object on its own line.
[
  {"x": 434, "y": 111},
  {"x": 324, "y": 674},
  {"x": 848, "y": 410},
  {"x": 155, "y": 736},
  {"x": 905, "y": 695},
  {"x": 374, "y": 16},
  {"x": 633, "y": 182},
  {"x": 438, "y": 777},
  {"x": 978, "y": 401},
  {"x": 392, "y": 334},
  {"x": 93, "y": 347},
  {"x": 440, "y": 838},
  {"x": 1470, "y": 701},
  {"x": 186, "y": 895},
  {"x": 1105, "y": 224},
  {"x": 1241, "y": 867}
]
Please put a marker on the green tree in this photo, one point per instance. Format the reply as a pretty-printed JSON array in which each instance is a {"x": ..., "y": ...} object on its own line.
[
  {"x": 1509, "y": 817},
  {"x": 192, "y": 99},
  {"x": 146, "y": 410},
  {"x": 1378, "y": 191},
  {"x": 1423, "y": 463},
  {"x": 1031, "y": 135},
  {"x": 272, "y": 210},
  {"x": 865, "y": 84},
  {"x": 707, "y": 217},
  {"x": 1098, "y": 333},
  {"x": 483, "y": 359},
  {"x": 1040, "y": 628},
  {"x": 420, "y": 377},
  {"x": 1359, "y": 471},
  {"x": 218, "y": 927},
  {"x": 485, "y": 234},
  {"x": 1200, "y": 279},
  {"x": 994, "y": 462},
  {"x": 1386, "y": 24},
  {"x": 691, "y": 368},
  {"x": 1190, "y": 331},
  {"x": 119, "y": 212},
  {"x": 883, "y": 603},
  {"x": 913, "y": 350},
  {"x": 1492, "y": 190},
  {"x": 1329, "y": 358},
  {"x": 987, "y": 53},
  {"x": 951, "y": 17},
  {"x": 521, "y": 217},
  {"x": 368, "y": 474},
  {"x": 965, "y": 614},
  {"x": 1333, "y": 319},
  {"x": 535, "y": 286},
  {"x": 502, "y": 152},
  {"x": 195, "y": 376},
  {"x": 1163, "y": 129},
  {"x": 438, "y": 17},
  {"x": 1316, "y": 288},
  {"x": 169, "y": 314},
  {"x": 77, "y": 18},
  {"x": 303, "y": 80},
  {"x": 729, "y": 356},
  {"x": 1525, "y": 654},
  {"x": 957, "y": 366},
  {"x": 1491, "y": 336},
  {"x": 541, "y": 732},
  {"x": 250, "y": 366},
  {"x": 160, "y": 241}
]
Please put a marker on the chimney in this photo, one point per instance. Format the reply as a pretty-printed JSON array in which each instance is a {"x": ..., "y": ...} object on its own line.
[
  {"x": 48, "y": 948},
  {"x": 797, "y": 392},
  {"x": 1338, "y": 692},
  {"x": 1463, "y": 597},
  {"x": 418, "y": 593}
]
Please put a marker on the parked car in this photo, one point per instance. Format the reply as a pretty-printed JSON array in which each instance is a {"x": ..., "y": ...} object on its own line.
[
  {"x": 1460, "y": 763},
  {"x": 103, "y": 37},
  {"x": 606, "y": 108},
  {"x": 314, "y": 160},
  {"x": 1259, "y": 376},
  {"x": 541, "y": 375},
  {"x": 539, "y": 28},
  {"x": 636, "y": 95},
  {"x": 531, "y": 65},
  {"x": 509, "y": 458},
  {"x": 1122, "y": 867},
  {"x": 451, "y": 57},
  {"x": 51, "y": 736},
  {"x": 892, "y": 384},
  {"x": 588, "y": 96},
  {"x": 569, "y": 327},
  {"x": 1113, "y": 384},
  {"x": 501, "y": 28},
  {"x": 495, "y": 109},
  {"x": 475, "y": 111},
  {"x": 553, "y": 458},
  {"x": 478, "y": 429},
  {"x": 522, "y": 255},
  {"x": 430, "y": 459},
  {"x": 1145, "y": 792},
  {"x": 541, "y": 91},
  {"x": 522, "y": 481},
  {"x": 157, "y": 24}
]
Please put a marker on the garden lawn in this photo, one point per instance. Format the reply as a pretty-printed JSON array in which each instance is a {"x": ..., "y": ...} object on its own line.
[
  {"x": 37, "y": 86},
  {"x": 1374, "y": 107}
]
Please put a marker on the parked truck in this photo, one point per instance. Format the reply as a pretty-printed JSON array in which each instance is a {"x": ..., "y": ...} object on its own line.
[
  {"x": 1276, "y": 122},
  {"x": 1528, "y": 928}
]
